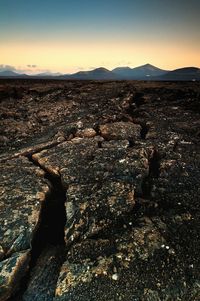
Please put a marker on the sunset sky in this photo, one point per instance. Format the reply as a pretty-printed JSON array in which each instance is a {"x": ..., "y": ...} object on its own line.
[{"x": 66, "y": 36}]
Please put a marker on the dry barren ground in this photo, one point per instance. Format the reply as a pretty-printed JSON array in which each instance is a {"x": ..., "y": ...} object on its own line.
[{"x": 100, "y": 194}]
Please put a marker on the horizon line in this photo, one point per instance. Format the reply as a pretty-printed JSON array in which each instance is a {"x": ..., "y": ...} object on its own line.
[{"x": 10, "y": 68}]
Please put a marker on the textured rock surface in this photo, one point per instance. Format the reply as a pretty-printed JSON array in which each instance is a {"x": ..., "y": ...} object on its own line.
[
  {"x": 121, "y": 220},
  {"x": 120, "y": 131},
  {"x": 105, "y": 269},
  {"x": 43, "y": 278},
  {"x": 12, "y": 270},
  {"x": 101, "y": 182},
  {"x": 23, "y": 191}
]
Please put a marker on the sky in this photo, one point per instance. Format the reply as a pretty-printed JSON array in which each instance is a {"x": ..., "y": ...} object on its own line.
[{"x": 70, "y": 35}]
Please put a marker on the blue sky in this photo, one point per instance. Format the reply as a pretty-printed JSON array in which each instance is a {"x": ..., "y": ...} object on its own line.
[{"x": 107, "y": 32}]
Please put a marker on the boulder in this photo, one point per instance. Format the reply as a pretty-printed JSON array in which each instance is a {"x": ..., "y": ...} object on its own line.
[{"x": 120, "y": 131}]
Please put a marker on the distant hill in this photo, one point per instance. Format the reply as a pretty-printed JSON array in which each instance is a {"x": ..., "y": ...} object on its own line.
[
  {"x": 125, "y": 72},
  {"x": 187, "y": 73},
  {"x": 96, "y": 74},
  {"x": 8, "y": 73},
  {"x": 120, "y": 73},
  {"x": 142, "y": 72},
  {"x": 47, "y": 74}
]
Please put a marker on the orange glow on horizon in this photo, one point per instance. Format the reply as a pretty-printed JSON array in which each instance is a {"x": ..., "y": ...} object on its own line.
[{"x": 71, "y": 57}]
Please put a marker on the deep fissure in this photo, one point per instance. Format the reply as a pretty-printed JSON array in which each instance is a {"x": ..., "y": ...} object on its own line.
[
  {"x": 53, "y": 213},
  {"x": 144, "y": 130},
  {"x": 52, "y": 219},
  {"x": 154, "y": 172},
  {"x": 50, "y": 232}
]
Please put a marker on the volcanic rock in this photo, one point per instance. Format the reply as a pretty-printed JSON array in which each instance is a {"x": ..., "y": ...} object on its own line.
[
  {"x": 100, "y": 191},
  {"x": 120, "y": 130},
  {"x": 23, "y": 191}
]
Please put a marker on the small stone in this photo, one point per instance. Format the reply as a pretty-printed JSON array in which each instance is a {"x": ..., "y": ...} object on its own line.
[
  {"x": 115, "y": 277},
  {"x": 60, "y": 139},
  {"x": 79, "y": 124},
  {"x": 86, "y": 133},
  {"x": 1, "y": 252}
]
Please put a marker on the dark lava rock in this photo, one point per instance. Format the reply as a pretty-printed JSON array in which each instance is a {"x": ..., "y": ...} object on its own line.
[
  {"x": 101, "y": 182},
  {"x": 105, "y": 269},
  {"x": 121, "y": 220},
  {"x": 23, "y": 191},
  {"x": 43, "y": 278},
  {"x": 12, "y": 270},
  {"x": 120, "y": 131}
]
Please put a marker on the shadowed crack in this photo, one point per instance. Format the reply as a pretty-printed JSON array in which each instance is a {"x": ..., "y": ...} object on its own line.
[
  {"x": 154, "y": 172},
  {"x": 53, "y": 218},
  {"x": 47, "y": 246},
  {"x": 144, "y": 130}
]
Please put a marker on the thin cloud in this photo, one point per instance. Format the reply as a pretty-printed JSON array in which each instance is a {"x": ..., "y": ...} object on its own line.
[
  {"x": 28, "y": 69},
  {"x": 31, "y": 66}
]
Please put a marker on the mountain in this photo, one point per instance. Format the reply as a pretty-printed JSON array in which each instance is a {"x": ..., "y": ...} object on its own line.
[
  {"x": 187, "y": 73},
  {"x": 125, "y": 72},
  {"x": 143, "y": 72},
  {"x": 96, "y": 74},
  {"x": 8, "y": 73},
  {"x": 47, "y": 74},
  {"x": 148, "y": 70}
]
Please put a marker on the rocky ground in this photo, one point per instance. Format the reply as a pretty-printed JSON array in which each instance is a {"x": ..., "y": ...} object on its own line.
[{"x": 100, "y": 194}]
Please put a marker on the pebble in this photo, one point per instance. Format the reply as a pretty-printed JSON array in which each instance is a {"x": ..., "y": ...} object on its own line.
[{"x": 115, "y": 277}]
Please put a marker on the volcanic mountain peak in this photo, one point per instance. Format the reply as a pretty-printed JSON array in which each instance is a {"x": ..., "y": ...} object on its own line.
[
  {"x": 152, "y": 67},
  {"x": 148, "y": 67},
  {"x": 186, "y": 73},
  {"x": 122, "y": 68},
  {"x": 100, "y": 69},
  {"x": 187, "y": 70}
]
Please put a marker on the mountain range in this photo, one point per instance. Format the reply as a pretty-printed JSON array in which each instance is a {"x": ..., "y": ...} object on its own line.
[
  {"x": 141, "y": 72},
  {"x": 8, "y": 73},
  {"x": 145, "y": 72}
]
